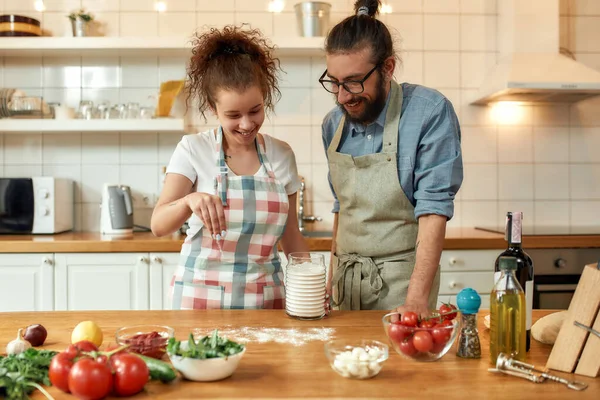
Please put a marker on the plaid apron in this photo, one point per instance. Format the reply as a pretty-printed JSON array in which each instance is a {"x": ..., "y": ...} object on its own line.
[{"x": 243, "y": 270}]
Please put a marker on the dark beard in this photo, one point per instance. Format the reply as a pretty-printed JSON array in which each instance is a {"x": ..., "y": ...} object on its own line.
[{"x": 372, "y": 108}]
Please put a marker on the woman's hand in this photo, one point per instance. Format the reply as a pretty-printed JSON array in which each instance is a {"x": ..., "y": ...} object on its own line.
[{"x": 210, "y": 210}]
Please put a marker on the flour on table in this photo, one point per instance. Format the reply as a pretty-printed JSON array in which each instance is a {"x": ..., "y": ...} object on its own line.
[{"x": 295, "y": 337}]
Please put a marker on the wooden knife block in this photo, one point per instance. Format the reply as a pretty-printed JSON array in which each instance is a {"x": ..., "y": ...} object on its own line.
[{"x": 576, "y": 350}]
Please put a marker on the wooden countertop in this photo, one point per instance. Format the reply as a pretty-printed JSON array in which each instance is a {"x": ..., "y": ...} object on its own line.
[
  {"x": 89, "y": 242},
  {"x": 274, "y": 370}
]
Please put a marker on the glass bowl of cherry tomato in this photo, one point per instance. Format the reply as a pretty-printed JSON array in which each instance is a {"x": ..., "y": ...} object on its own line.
[
  {"x": 147, "y": 340},
  {"x": 421, "y": 338}
]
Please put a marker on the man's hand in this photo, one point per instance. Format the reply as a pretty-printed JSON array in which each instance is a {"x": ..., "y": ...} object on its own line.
[{"x": 420, "y": 308}]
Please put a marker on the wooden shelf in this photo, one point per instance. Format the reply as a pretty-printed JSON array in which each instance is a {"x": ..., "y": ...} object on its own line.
[
  {"x": 93, "y": 125},
  {"x": 57, "y": 46}
]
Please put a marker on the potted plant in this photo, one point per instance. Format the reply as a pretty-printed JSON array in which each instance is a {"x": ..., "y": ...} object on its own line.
[{"x": 80, "y": 22}]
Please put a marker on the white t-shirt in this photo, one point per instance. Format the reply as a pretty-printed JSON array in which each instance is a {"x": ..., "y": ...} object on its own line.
[{"x": 195, "y": 158}]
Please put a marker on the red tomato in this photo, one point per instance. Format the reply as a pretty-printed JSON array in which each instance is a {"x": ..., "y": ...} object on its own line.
[
  {"x": 427, "y": 323},
  {"x": 448, "y": 309},
  {"x": 71, "y": 351},
  {"x": 422, "y": 341},
  {"x": 441, "y": 334},
  {"x": 90, "y": 380},
  {"x": 407, "y": 347},
  {"x": 58, "y": 372},
  {"x": 131, "y": 374},
  {"x": 437, "y": 347},
  {"x": 86, "y": 345},
  {"x": 409, "y": 318},
  {"x": 398, "y": 332}
]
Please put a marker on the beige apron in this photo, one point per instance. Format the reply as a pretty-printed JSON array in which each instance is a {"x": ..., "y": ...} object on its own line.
[{"x": 377, "y": 229}]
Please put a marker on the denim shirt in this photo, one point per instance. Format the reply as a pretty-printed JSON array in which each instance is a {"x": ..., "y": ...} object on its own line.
[{"x": 430, "y": 166}]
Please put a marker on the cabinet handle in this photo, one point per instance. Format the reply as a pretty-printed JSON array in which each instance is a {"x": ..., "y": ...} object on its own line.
[
  {"x": 452, "y": 261},
  {"x": 47, "y": 261},
  {"x": 143, "y": 260},
  {"x": 157, "y": 259},
  {"x": 452, "y": 285}
]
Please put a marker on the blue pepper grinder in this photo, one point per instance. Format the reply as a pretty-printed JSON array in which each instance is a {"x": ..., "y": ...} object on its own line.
[{"x": 468, "y": 301}]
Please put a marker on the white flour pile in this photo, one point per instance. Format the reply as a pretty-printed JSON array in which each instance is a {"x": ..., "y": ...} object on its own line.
[{"x": 295, "y": 337}]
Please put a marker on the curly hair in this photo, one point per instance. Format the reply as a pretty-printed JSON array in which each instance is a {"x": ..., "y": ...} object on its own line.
[{"x": 231, "y": 58}]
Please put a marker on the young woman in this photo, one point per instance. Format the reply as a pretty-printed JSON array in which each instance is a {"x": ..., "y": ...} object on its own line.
[{"x": 238, "y": 185}]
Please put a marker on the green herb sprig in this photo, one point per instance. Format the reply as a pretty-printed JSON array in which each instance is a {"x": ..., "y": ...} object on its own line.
[
  {"x": 21, "y": 374},
  {"x": 212, "y": 346}
]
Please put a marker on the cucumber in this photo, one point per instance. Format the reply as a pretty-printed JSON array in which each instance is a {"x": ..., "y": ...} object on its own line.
[{"x": 159, "y": 370}]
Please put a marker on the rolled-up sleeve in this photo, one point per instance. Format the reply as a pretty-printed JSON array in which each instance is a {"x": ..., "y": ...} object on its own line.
[
  {"x": 327, "y": 136},
  {"x": 438, "y": 170}
]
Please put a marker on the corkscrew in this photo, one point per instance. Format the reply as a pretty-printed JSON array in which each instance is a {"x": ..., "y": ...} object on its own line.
[{"x": 509, "y": 366}]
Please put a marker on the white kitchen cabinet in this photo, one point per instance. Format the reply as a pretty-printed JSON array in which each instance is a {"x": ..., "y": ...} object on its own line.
[
  {"x": 162, "y": 268},
  {"x": 101, "y": 281},
  {"x": 26, "y": 282}
]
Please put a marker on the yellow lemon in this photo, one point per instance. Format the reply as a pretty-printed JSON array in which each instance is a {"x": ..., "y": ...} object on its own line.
[{"x": 87, "y": 330}]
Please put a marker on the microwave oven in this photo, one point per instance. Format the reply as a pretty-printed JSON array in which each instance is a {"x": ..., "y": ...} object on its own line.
[{"x": 36, "y": 205}]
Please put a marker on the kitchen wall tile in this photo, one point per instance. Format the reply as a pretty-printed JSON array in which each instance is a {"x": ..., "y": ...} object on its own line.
[
  {"x": 580, "y": 215},
  {"x": 180, "y": 5},
  {"x": 299, "y": 139},
  {"x": 306, "y": 171},
  {"x": 337, "y": 6},
  {"x": 61, "y": 72},
  {"x": 515, "y": 182},
  {"x": 56, "y": 24},
  {"x": 69, "y": 97},
  {"x": 480, "y": 182},
  {"x": 176, "y": 24},
  {"x": 552, "y": 214},
  {"x": 142, "y": 217},
  {"x": 583, "y": 113},
  {"x": 592, "y": 60},
  {"x": 581, "y": 29},
  {"x": 318, "y": 151},
  {"x": 139, "y": 72},
  {"x": 456, "y": 221},
  {"x": 139, "y": 149},
  {"x": 317, "y": 67},
  {"x": 441, "y": 32},
  {"x": 100, "y": 72},
  {"x": 106, "y": 23},
  {"x": 251, "y": 5},
  {"x": 294, "y": 107},
  {"x": 143, "y": 182},
  {"x": 145, "y": 97},
  {"x": 23, "y": 72},
  {"x": 10, "y": 6},
  {"x": 101, "y": 5},
  {"x": 77, "y": 227},
  {"x": 72, "y": 172},
  {"x": 61, "y": 148},
  {"x": 93, "y": 178},
  {"x": 584, "y": 145},
  {"x": 441, "y": 70},
  {"x": 321, "y": 209},
  {"x": 285, "y": 25},
  {"x": 138, "y": 5},
  {"x": 408, "y": 29},
  {"x": 297, "y": 72},
  {"x": 474, "y": 67},
  {"x": 22, "y": 149},
  {"x": 551, "y": 181},
  {"x": 322, "y": 102},
  {"x": 401, "y": 6},
  {"x": 337, "y": 17},
  {"x": 585, "y": 181},
  {"x": 527, "y": 207},
  {"x": 171, "y": 68},
  {"x": 473, "y": 114},
  {"x": 167, "y": 142},
  {"x": 584, "y": 7},
  {"x": 138, "y": 23},
  {"x": 441, "y": 6},
  {"x": 551, "y": 115},
  {"x": 480, "y": 213},
  {"x": 478, "y": 7},
  {"x": 22, "y": 171},
  {"x": 320, "y": 184},
  {"x": 65, "y": 6},
  {"x": 551, "y": 145},
  {"x": 478, "y": 33},
  {"x": 100, "y": 148},
  {"x": 479, "y": 144},
  {"x": 515, "y": 144},
  {"x": 205, "y": 20},
  {"x": 90, "y": 217},
  {"x": 99, "y": 96},
  {"x": 2, "y": 171},
  {"x": 222, "y": 5},
  {"x": 410, "y": 69},
  {"x": 563, "y": 32},
  {"x": 256, "y": 20}
]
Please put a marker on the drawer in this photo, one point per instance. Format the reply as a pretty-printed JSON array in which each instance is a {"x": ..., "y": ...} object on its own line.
[
  {"x": 452, "y": 283},
  {"x": 485, "y": 302},
  {"x": 468, "y": 260}
]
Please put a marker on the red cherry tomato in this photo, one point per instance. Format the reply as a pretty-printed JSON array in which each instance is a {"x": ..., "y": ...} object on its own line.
[
  {"x": 90, "y": 380},
  {"x": 398, "y": 332},
  {"x": 427, "y": 323},
  {"x": 58, "y": 372},
  {"x": 71, "y": 351},
  {"x": 422, "y": 341},
  {"x": 131, "y": 374},
  {"x": 86, "y": 345},
  {"x": 449, "y": 310},
  {"x": 407, "y": 347},
  {"x": 437, "y": 347},
  {"x": 409, "y": 318},
  {"x": 441, "y": 334}
]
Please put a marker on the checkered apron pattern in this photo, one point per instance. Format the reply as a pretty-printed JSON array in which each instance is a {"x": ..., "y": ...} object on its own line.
[{"x": 243, "y": 270}]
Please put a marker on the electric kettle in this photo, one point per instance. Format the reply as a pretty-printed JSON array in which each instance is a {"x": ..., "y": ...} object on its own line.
[{"x": 116, "y": 210}]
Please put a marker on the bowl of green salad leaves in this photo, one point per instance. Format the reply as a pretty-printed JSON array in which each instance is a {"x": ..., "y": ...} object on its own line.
[{"x": 210, "y": 358}]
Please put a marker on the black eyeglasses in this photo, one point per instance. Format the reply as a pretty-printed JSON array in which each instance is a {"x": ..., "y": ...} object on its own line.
[{"x": 352, "y": 86}]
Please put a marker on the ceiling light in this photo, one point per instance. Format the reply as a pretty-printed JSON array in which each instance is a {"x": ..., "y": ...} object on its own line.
[
  {"x": 160, "y": 6},
  {"x": 276, "y": 6},
  {"x": 39, "y": 5},
  {"x": 386, "y": 8},
  {"x": 507, "y": 113}
]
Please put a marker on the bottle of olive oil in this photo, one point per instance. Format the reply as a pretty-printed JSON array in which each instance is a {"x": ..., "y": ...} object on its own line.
[{"x": 507, "y": 314}]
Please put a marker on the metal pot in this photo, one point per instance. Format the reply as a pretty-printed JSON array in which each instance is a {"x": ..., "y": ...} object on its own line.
[
  {"x": 312, "y": 18},
  {"x": 80, "y": 27}
]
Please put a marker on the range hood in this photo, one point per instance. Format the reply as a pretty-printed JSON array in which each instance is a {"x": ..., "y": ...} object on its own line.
[{"x": 530, "y": 67}]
